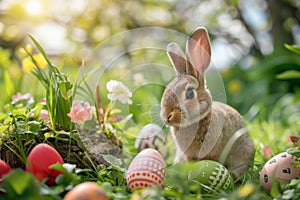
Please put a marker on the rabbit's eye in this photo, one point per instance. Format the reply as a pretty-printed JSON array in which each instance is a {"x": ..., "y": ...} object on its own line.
[{"x": 189, "y": 94}]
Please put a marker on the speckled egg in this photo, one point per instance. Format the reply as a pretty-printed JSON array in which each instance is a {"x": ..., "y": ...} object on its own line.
[
  {"x": 146, "y": 170},
  {"x": 151, "y": 136},
  {"x": 280, "y": 168},
  {"x": 212, "y": 176}
]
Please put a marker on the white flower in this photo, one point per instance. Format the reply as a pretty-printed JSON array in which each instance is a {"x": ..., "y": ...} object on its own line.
[
  {"x": 118, "y": 91},
  {"x": 69, "y": 167}
]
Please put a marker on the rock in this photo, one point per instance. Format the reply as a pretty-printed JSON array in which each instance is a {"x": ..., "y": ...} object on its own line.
[{"x": 97, "y": 144}]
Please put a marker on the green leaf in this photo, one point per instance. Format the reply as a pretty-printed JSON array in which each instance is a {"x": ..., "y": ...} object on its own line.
[
  {"x": 47, "y": 135},
  {"x": 294, "y": 182},
  {"x": 68, "y": 178},
  {"x": 34, "y": 126},
  {"x": 58, "y": 167},
  {"x": 290, "y": 74},
  {"x": 19, "y": 182},
  {"x": 21, "y": 185},
  {"x": 65, "y": 89},
  {"x": 288, "y": 194},
  {"x": 275, "y": 188},
  {"x": 41, "y": 75},
  {"x": 37, "y": 110},
  {"x": 36, "y": 43},
  {"x": 294, "y": 152},
  {"x": 293, "y": 48},
  {"x": 113, "y": 160},
  {"x": 2, "y": 116},
  {"x": 4, "y": 128},
  {"x": 19, "y": 112},
  {"x": 9, "y": 84},
  {"x": 8, "y": 120}
]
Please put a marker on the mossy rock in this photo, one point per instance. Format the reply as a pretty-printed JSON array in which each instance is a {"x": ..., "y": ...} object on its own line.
[{"x": 83, "y": 148}]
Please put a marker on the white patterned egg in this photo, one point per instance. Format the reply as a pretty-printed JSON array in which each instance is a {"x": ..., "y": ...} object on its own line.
[
  {"x": 211, "y": 175},
  {"x": 280, "y": 168},
  {"x": 146, "y": 170},
  {"x": 151, "y": 136}
]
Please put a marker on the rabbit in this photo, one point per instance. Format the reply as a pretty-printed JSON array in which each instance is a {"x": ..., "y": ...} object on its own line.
[{"x": 200, "y": 127}]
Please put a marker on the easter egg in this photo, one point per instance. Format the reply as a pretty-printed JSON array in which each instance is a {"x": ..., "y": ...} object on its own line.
[
  {"x": 4, "y": 169},
  {"x": 86, "y": 191},
  {"x": 212, "y": 175},
  {"x": 41, "y": 157},
  {"x": 279, "y": 168},
  {"x": 146, "y": 170},
  {"x": 151, "y": 136}
]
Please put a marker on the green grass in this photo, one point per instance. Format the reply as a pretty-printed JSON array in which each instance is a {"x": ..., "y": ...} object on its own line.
[
  {"x": 270, "y": 132},
  {"x": 20, "y": 125}
]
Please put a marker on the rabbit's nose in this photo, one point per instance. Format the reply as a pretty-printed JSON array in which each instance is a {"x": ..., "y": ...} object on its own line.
[
  {"x": 167, "y": 119},
  {"x": 170, "y": 118}
]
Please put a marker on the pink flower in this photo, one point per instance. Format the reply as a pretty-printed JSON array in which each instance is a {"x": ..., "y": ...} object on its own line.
[
  {"x": 43, "y": 101},
  {"x": 79, "y": 113},
  {"x": 267, "y": 151},
  {"x": 294, "y": 139},
  {"x": 44, "y": 114},
  {"x": 19, "y": 97}
]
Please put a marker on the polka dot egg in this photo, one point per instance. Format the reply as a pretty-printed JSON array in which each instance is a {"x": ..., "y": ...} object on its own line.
[
  {"x": 146, "y": 170},
  {"x": 280, "y": 168},
  {"x": 212, "y": 175}
]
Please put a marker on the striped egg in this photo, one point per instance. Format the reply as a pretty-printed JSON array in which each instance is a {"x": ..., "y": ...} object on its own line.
[
  {"x": 151, "y": 136},
  {"x": 211, "y": 175},
  {"x": 146, "y": 170}
]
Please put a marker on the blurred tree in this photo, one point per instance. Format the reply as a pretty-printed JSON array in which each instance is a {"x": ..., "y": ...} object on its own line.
[
  {"x": 284, "y": 18},
  {"x": 261, "y": 22},
  {"x": 251, "y": 33}
]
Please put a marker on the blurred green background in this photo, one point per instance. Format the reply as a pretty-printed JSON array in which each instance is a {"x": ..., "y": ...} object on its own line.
[
  {"x": 248, "y": 38},
  {"x": 255, "y": 60}
]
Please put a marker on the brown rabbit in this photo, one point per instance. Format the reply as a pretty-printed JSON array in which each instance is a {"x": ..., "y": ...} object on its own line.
[{"x": 200, "y": 127}]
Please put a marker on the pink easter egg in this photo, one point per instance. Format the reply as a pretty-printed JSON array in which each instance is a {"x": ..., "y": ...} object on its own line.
[
  {"x": 279, "y": 168},
  {"x": 146, "y": 170}
]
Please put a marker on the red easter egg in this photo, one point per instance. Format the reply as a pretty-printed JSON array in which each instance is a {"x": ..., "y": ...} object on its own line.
[
  {"x": 146, "y": 170},
  {"x": 41, "y": 157},
  {"x": 279, "y": 168},
  {"x": 4, "y": 169}
]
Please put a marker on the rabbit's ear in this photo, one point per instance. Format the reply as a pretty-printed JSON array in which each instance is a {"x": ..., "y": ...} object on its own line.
[
  {"x": 177, "y": 58},
  {"x": 198, "y": 50}
]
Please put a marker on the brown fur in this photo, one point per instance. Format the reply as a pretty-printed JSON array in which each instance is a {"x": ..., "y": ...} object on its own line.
[{"x": 200, "y": 127}]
